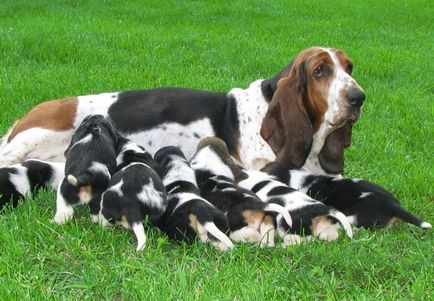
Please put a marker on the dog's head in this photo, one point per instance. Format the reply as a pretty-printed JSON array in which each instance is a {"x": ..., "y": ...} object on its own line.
[{"x": 317, "y": 91}]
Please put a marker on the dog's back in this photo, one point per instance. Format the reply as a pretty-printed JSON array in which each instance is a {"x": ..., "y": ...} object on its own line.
[{"x": 189, "y": 215}]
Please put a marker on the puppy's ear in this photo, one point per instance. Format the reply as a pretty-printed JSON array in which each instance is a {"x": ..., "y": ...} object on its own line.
[
  {"x": 331, "y": 156},
  {"x": 286, "y": 126}
]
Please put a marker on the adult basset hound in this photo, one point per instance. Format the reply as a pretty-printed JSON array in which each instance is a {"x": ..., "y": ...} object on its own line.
[{"x": 302, "y": 117}]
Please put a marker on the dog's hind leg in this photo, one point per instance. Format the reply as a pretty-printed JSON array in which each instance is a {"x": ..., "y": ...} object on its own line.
[
  {"x": 267, "y": 231},
  {"x": 35, "y": 143}
]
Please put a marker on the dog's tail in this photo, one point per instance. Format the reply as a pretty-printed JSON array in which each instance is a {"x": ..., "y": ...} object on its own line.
[
  {"x": 217, "y": 233},
  {"x": 410, "y": 218},
  {"x": 81, "y": 180},
  {"x": 139, "y": 231},
  {"x": 279, "y": 209},
  {"x": 343, "y": 220}
]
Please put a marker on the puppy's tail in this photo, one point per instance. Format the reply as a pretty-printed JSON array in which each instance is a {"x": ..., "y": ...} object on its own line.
[
  {"x": 81, "y": 180},
  {"x": 279, "y": 209},
  {"x": 343, "y": 220},
  {"x": 217, "y": 233},
  {"x": 410, "y": 218}
]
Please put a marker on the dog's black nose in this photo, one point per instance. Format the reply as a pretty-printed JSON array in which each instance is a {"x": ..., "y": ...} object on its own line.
[{"x": 356, "y": 97}]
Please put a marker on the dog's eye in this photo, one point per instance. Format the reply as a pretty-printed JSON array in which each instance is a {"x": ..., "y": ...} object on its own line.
[{"x": 318, "y": 71}]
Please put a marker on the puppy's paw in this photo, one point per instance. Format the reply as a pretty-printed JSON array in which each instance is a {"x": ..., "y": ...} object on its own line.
[
  {"x": 63, "y": 216},
  {"x": 291, "y": 239}
]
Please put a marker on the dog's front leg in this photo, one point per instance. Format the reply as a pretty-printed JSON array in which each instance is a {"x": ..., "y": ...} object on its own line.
[{"x": 64, "y": 211}]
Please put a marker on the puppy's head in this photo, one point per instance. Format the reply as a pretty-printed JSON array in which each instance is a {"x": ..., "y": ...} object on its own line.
[
  {"x": 213, "y": 155},
  {"x": 94, "y": 126},
  {"x": 167, "y": 154},
  {"x": 130, "y": 152}
]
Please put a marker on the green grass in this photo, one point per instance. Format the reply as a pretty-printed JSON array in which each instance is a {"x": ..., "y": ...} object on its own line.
[{"x": 49, "y": 50}]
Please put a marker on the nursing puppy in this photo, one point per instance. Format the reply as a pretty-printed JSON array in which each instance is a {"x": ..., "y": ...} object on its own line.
[
  {"x": 25, "y": 179},
  {"x": 366, "y": 204},
  {"x": 188, "y": 215},
  {"x": 135, "y": 191},
  {"x": 250, "y": 219},
  {"x": 310, "y": 217},
  {"x": 90, "y": 161}
]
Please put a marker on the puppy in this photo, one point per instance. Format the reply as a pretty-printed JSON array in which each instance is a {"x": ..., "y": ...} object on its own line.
[
  {"x": 26, "y": 178},
  {"x": 135, "y": 191},
  {"x": 249, "y": 218},
  {"x": 366, "y": 204},
  {"x": 188, "y": 214},
  {"x": 310, "y": 217},
  {"x": 90, "y": 161}
]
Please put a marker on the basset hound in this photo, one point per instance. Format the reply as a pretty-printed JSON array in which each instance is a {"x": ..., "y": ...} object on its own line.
[{"x": 302, "y": 117}]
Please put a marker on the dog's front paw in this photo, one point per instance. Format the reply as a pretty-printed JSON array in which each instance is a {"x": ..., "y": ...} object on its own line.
[{"x": 63, "y": 216}]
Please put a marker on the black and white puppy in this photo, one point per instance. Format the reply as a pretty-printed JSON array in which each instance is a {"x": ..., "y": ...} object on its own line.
[
  {"x": 188, "y": 215},
  {"x": 25, "y": 179},
  {"x": 310, "y": 217},
  {"x": 366, "y": 204},
  {"x": 90, "y": 161},
  {"x": 135, "y": 191},
  {"x": 250, "y": 219}
]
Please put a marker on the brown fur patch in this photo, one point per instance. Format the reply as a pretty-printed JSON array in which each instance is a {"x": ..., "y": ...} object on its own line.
[
  {"x": 193, "y": 221},
  {"x": 268, "y": 220},
  {"x": 57, "y": 115},
  {"x": 392, "y": 222},
  {"x": 253, "y": 217}
]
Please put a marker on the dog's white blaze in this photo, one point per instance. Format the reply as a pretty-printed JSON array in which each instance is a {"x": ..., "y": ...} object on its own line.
[
  {"x": 179, "y": 171},
  {"x": 99, "y": 167},
  {"x": 150, "y": 196},
  {"x": 139, "y": 231},
  {"x": 86, "y": 139},
  {"x": 252, "y": 107},
  {"x": 172, "y": 133},
  {"x": 64, "y": 211},
  {"x": 129, "y": 146},
  {"x": 365, "y": 194},
  {"x": 207, "y": 159},
  {"x": 20, "y": 180}
]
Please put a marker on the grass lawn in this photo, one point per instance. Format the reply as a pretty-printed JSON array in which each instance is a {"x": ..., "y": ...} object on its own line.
[{"x": 52, "y": 49}]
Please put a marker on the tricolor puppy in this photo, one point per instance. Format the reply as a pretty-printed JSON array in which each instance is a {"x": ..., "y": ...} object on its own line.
[
  {"x": 90, "y": 161},
  {"x": 366, "y": 204},
  {"x": 188, "y": 215},
  {"x": 25, "y": 179},
  {"x": 250, "y": 219},
  {"x": 135, "y": 191},
  {"x": 310, "y": 217}
]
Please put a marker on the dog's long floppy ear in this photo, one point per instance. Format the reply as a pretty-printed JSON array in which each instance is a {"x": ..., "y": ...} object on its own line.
[
  {"x": 331, "y": 156},
  {"x": 286, "y": 126}
]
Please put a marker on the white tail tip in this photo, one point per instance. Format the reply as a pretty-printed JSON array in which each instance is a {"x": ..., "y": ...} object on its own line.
[
  {"x": 72, "y": 180},
  {"x": 139, "y": 231},
  {"x": 425, "y": 225}
]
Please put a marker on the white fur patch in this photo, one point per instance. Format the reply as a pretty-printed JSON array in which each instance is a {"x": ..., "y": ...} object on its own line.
[
  {"x": 20, "y": 180},
  {"x": 179, "y": 171},
  {"x": 150, "y": 196},
  {"x": 207, "y": 159},
  {"x": 365, "y": 194},
  {"x": 171, "y": 133},
  {"x": 252, "y": 107}
]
